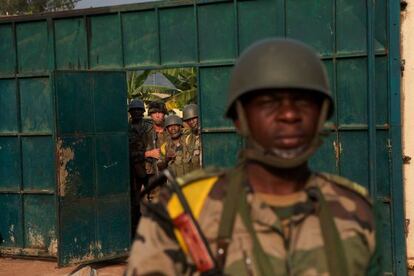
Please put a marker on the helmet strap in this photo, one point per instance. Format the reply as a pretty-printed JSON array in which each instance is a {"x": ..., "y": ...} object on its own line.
[
  {"x": 256, "y": 152},
  {"x": 241, "y": 115}
]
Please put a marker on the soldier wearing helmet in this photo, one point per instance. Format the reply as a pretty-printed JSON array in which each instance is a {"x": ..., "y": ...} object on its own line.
[
  {"x": 156, "y": 136},
  {"x": 137, "y": 133},
  {"x": 270, "y": 215},
  {"x": 192, "y": 135},
  {"x": 175, "y": 150}
]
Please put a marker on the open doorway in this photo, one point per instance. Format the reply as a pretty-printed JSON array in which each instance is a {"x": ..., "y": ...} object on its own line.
[{"x": 164, "y": 131}]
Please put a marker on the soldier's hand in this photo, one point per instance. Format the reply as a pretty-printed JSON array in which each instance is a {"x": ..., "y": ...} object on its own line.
[{"x": 154, "y": 153}]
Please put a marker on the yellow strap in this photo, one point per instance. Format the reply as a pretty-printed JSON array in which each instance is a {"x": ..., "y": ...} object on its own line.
[
  {"x": 163, "y": 149},
  {"x": 187, "y": 139},
  {"x": 196, "y": 194}
]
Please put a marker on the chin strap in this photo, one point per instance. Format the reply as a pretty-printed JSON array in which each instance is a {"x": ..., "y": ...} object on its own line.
[{"x": 258, "y": 153}]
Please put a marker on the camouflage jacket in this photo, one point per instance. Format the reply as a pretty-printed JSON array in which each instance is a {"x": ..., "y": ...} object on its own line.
[
  {"x": 155, "y": 140},
  {"x": 194, "y": 147},
  {"x": 287, "y": 227},
  {"x": 182, "y": 163},
  {"x": 137, "y": 136}
]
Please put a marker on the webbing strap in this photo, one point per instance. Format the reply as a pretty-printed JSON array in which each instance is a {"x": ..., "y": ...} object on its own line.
[
  {"x": 235, "y": 201},
  {"x": 228, "y": 215},
  {"x": 334, "y": 250},
  {"x": 261, "y": 259}
]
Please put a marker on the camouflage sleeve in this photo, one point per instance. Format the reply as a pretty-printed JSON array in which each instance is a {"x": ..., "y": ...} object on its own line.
[
  {"x": 155, "y": 250},
  {"x": 376, "y": 262},
  {"x": 137, "y": 147}
]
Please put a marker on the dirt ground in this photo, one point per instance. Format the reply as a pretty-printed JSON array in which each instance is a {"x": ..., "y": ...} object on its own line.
[{"x": 24, "y": 267}]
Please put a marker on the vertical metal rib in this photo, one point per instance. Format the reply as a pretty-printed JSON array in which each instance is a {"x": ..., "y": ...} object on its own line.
[
  {"x": 336, "y": 145},
  {"x": 236, "y": 28},
  {"x": 121, "y": 29},
  {"x": 157, "y": 14},
  {"x": 372, "y": 144},
  {"x": 396, "y": 184}
]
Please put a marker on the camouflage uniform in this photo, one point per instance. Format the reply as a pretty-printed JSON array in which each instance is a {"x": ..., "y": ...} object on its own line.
[
  {"x": 159, "y": 138},
  {"x": 137, "y": 147},
  {"x": 138, "y": 142},
  {"x": 288, "y": 229},
  {"x": 180, "y": 164},
  {"x": 192, "y": 141}
]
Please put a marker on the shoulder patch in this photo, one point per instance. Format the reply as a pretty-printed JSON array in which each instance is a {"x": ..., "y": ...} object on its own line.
[
  {"x": 200, "y": 174},
  {"x": 348, "y": 184}
]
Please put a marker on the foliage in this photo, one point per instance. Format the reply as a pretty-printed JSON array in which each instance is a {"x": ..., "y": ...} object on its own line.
[
  {"x": 136, "y": 81},
  {"x": 184, "y": 80},
  {"x": 18, "y": 7}
]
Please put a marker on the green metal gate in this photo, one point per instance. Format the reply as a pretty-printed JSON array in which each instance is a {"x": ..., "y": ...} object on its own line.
[
  {"x": 92, "y": 153},
  {"x": 357, "y": 40},
  {"x": 64, "y": 188}
]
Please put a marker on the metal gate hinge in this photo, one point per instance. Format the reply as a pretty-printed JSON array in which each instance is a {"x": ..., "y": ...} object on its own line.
[
  {"x": 389, "y": 146},
  {"x": 406, "y": 159},
  {"x": 403, "y": 5}
]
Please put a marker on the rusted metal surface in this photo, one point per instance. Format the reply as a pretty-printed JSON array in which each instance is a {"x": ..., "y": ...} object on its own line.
[
  {"x": 65, "y": 155},
  {"x": 15, "y": 251},
  {"x": 93, "y": 174}
]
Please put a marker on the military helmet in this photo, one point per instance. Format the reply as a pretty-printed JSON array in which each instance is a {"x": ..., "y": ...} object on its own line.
[
  {"x": 136, "y": 104},
  {"x": 277, "y": 64},
  {"x": 173, "y": 120},
  {"x": 190, "y": 111},
  {"x": 157, "y": 106}
]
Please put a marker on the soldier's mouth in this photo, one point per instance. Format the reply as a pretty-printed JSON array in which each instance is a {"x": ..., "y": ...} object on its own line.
[{"x": 289, "y": 142}]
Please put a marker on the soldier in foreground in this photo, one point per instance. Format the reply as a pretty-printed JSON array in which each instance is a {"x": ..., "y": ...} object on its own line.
[
  {"x": 138, "y": 127},
  {"x": 270, "y": 215},
  {"x": 192, "y": 135}
]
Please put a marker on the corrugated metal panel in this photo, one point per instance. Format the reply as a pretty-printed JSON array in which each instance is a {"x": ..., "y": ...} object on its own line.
[
  {"x": 38, "y": 160},
  {"x": 92, "y": 145},
  {"x": 7, "y": 53},
  {"x": 36, "y": 105},
  {"x": 71, "y": 44},
  {"x": 32, "y": 47},
  {"x": 105, "y": 42},
  {"x": 216, "y": 45},
  {"x": 140, "y": 38},
  {"x": 8, "y": 105},
  {"x": 177, "y": 35}
]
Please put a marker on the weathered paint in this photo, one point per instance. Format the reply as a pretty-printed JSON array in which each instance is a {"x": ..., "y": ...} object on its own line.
[
  {"x": 65, "y": 155},
  {"x": 11, "y": 234},
  {"x": 93, "y": 249},
  {"x": 407, "y": 35},
  {"x": 53, "y": 247},
  {"x": 92, "y": 150}
]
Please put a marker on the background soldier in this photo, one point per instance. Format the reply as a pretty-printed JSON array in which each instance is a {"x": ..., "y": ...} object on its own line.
[
  {"x": 177, "y": 156},
  {"x": 270, "y": 215},
  {"x": 192, "y": 139},
  {"x": 156, "y": 136},
  {"x": 138, "y": 127}
]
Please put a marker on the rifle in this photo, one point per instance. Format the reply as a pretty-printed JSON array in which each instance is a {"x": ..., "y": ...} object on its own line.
[
  {"x": 154, "y": 160},
  {"x": 189, "y": 228}
]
